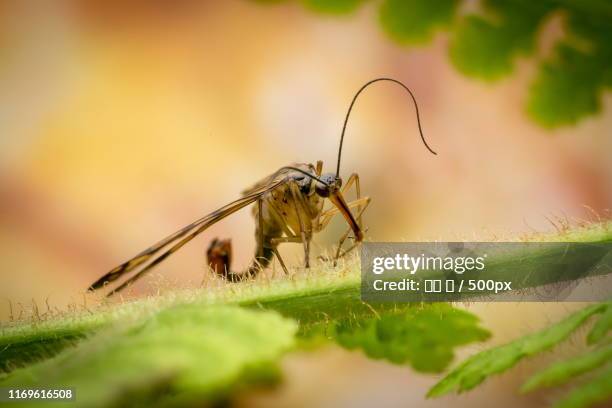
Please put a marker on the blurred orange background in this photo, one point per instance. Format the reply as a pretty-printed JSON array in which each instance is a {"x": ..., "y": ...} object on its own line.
[{"x": 123, "y": 121}]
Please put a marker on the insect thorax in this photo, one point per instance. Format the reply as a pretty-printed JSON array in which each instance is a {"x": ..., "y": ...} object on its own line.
[{"x": 289, "y": 206}]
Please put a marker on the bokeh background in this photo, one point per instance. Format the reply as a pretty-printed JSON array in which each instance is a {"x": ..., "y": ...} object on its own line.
[{"x": 122, "y": 121}]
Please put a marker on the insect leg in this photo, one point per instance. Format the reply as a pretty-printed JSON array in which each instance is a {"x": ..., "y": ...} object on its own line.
[
  {"x": 327, "y": 215},
  {"x": 304, "y": 233},
  {"x": 306, "y": 253},
  {"x": 275, "y": 250},
  {"x": 269, "y": 245},
  {"x": 260, "y": 260},
  {"x": 354, "y": 179},
  {"x": 340, "y": 254},
  {"x": 346, "y": 234},
  {"x": 343, "y": 254},
  {"x": 282, "y": 240},
  {"x": 260, "y": 226}
]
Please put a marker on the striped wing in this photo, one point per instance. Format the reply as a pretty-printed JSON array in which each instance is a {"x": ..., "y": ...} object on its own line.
[{"x": 182, "y": 236}]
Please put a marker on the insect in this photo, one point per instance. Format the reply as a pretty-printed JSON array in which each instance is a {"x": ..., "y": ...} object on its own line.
[{"x": 289, "y": 207}]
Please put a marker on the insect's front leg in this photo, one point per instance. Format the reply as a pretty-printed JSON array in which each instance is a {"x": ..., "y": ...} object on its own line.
[
  {"x": 340, "y": 254},
  {"x": 359, "y": 202},
  {"x": 354, "y": 179}
]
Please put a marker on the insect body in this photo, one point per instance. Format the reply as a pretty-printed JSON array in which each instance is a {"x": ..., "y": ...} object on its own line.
[
  {"x": 289, "y": 207},
  {"x": 294, "y": 210}
]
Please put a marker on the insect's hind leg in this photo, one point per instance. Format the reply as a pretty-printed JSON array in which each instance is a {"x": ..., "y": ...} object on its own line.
[
  {"x": 264, "y": 250},
  {"x": 260, "y": 262}
]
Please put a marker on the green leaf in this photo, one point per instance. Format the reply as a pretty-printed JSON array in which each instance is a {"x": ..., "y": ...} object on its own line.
[
  {"x": 487, "y": 43},
  {"x": 601, "y": 327},
  {"x": 570, "y": 84},
  {"x": 185, "y": 353},
  {"x": 423, "y": 337},
  {"x": 496, "y": 360},
  {"x": 333, "y": 6},
  {"x": 317, "y": 300},
  {"x": 486, "y": 46},
  {"x": 567, "y": 88},
  {"x": 415, "y": 21},
  {"x": 598, "y": 390},
  {"x": 563, "y": 371}
]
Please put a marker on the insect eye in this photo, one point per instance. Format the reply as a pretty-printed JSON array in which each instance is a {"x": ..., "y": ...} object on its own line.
[{"x": 322, "y": 190}]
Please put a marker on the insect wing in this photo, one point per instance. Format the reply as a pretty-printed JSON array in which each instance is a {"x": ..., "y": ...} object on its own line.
[{"x": 180, "y": 238}]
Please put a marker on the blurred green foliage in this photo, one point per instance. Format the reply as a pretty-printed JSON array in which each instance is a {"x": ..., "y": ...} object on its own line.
[
  {"x": 415, "y": 21},
  {"x": 182, "y": 355},
  {"x": 198, "y": 346},
  {"x": 334, "y": 6},
  {"x": 563, "y": 371},
  {"x": 423, "y": 337},
  {"x": 486, "y": 45},
  {"x": 188, "y": 354},
  {"x": 486, "y": 42},
  {"x": 601, "y": 327},
  {"x": 596, "y": 388}
]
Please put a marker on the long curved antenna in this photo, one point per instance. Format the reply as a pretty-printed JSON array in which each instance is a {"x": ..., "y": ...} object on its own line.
[{"x": 348, "y": 113}]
